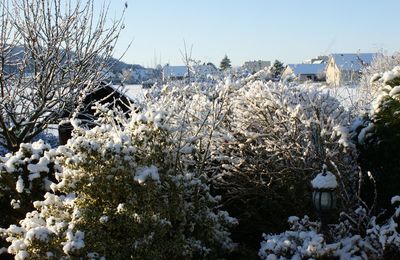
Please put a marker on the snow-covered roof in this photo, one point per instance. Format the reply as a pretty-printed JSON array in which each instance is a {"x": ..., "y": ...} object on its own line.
[
  {"x": 174, "y": 71},
  {"x": 307, "y": 69},
  {"x": 352, "y": 61}
]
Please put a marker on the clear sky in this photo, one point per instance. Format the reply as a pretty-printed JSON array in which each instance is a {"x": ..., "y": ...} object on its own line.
[{"x": 288, "y": 30}]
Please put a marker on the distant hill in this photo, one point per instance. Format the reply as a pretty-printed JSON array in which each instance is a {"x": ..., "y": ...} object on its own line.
[
  {"x": 131, "y": 73},
  {"x": 137, "y": 73},
  {"x": 118, "y": 66}
]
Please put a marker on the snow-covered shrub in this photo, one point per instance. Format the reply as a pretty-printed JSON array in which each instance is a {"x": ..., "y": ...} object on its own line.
[
  {"x": 381, "y": 64},
  {"x": 25, "y": 176},
  {"x": 265, "y": 123},
  {"x": 125, "y": 195},
  {"x": 277, "y": 138},
  {"x": 196, "y": 112},
  {"x": 48, "y": 138},
  {"x": 287, "y": 128},
  {"x": 304, "y": 240},
  {"x": 377, "y": 136},
  {"x": 259, "y": 143}
]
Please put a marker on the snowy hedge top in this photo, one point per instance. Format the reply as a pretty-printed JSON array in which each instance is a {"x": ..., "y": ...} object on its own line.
[
  {"x": 389, "y": 88},
  {"x": 324, "y": 180}
]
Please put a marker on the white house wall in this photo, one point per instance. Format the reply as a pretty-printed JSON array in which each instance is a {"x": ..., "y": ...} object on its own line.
[
  {"x": 333, "y": 74},
  {"x": 288, "y": 71}
]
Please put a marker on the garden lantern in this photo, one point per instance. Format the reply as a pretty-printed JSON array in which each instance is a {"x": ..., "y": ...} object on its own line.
[
  {"x": 324, "y": 200},
  {"x": 324, "y": 197}
]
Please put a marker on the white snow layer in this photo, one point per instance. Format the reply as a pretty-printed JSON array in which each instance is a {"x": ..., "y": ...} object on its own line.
[
  {"x": 395, "y": 91},
  {"x": 147, "y": 172},
  {"x": 324, "y": 181},
  {"x": 20, "y": 185}
]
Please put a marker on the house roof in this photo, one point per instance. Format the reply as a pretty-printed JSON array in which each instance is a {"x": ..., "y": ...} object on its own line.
[
  {"x": 307, "y": 69},
  {"x": 174, "y": 71},
  {"x": 352, "y": 61}
]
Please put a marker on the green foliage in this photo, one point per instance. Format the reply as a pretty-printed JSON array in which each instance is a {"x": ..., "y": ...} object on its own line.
[
  {"x": 378, "y": 140},
  {"x": 126, "y": 196},
  {"x": 277, "y": 69},
  {"x": 225, "y": 63}
]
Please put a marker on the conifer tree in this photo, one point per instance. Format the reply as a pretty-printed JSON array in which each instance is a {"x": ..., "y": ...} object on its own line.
[
  {"x": 277, "y": 69},
  {"x": 225, "y": 63}
]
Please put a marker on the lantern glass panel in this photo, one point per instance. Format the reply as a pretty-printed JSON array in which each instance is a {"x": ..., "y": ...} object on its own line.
[{"x": 326, "y": 200}]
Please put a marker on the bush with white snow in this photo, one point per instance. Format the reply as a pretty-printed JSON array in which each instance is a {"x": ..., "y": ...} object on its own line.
[{"x": 123, "y": 194}]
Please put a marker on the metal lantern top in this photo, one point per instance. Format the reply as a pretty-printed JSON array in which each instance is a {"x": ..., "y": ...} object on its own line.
[
  {"x": 324, "y": 180},
  {"x": 324, "y": 185}
]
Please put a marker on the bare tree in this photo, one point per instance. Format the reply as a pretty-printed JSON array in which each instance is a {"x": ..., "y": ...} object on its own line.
[
  {"x": 52, "y": 52},
  {"x": 187, "y": 58}
]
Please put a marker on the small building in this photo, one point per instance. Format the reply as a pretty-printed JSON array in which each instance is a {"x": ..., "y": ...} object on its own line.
[
  {"x": 346, "y": 68},
  {"x": 305, "y": 72},
  {"x": 317, "y": 60},
  {"x": 170, "y": 73},
  {"x": 174, "y": 72}
]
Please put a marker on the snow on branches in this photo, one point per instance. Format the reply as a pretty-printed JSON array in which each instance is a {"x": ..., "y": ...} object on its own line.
[
  {"x": 304, "y": 240},
  {"x": 123, "y": 194},
  {"x": 25, "y": 176}
]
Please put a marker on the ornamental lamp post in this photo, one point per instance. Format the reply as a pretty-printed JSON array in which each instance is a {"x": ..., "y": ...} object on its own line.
[{"x": 324, "y": 197}]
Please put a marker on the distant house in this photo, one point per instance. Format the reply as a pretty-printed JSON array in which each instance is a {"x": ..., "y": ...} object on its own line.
[
  {"x": 317, "y": 60},
  {"x": 304, "y": 72},
  {"x": 181, "y": 72},
  {"x": 174, "y": 72},
  {"x": 344, "y": 68}
]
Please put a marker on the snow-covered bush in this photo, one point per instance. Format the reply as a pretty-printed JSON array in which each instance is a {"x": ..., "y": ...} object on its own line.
[
  {"x": 125, "y": 195},
  {"x": 377, "y": 136},
  {"x": 259, "y": 143},
  {"x": 287, "y": 128},
  {"x": 248, "y": 123},
  {"x": 48, "y": 138},
  {"x": 276, "y": 138},
  {"x": 25, "y": 176},
  {"x": 304, "y": 240},
  {"x": 381, "y": 64}
]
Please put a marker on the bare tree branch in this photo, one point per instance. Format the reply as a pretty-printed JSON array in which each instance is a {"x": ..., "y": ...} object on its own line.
[{"x": 51, "y": 53}]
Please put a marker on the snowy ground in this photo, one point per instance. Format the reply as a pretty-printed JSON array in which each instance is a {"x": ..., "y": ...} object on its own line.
[
  {"x": 134, "y": 92},
  {"x": 349, "y": 96}
]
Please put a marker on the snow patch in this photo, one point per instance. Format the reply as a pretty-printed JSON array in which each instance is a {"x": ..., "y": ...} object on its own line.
[
  {"x": 395, "y": 199},
  {"x": 74, "y": 241},
  {"x": 20, "y": 185},
  {"x": 395, "y": 91},
  {"x": 142, "y": 174},
  {"x": 103, "y": 219}
]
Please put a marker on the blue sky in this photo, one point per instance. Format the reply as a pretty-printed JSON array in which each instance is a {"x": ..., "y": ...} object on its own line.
[{"x": 288, "y": 30}]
